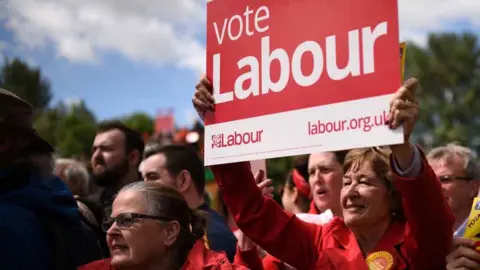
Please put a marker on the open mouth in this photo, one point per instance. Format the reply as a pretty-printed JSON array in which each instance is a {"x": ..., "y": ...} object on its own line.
[
  {"x": 321, "y": 192},
  {"x": 119, "y": 248}
]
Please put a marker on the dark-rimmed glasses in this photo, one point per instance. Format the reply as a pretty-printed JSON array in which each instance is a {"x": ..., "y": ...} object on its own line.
[{"x": 126, "y": 220}]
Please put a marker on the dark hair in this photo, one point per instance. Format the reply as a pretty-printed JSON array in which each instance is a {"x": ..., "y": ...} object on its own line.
[
  {"x": 181, "y": 157},
  {"x": 133, "y": 139},
  {"x": 340, "y": 156},
  {"x": 168, "y": 202}
]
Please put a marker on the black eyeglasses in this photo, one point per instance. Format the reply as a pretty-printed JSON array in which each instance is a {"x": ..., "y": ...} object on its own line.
[
  {"x": 126, "y": 220},
  {"x": 450, "y": 178}
]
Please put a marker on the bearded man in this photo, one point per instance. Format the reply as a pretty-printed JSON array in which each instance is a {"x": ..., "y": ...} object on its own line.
[{"x": 116, "y": 154}]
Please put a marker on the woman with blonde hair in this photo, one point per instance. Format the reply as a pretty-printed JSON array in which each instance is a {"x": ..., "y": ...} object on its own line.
[
  {"x": 152, "y": 227},
  {"x": 394, "y": 213}
]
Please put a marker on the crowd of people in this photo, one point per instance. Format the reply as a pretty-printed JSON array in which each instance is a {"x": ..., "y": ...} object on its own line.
[{"x": 143, "y": 205}]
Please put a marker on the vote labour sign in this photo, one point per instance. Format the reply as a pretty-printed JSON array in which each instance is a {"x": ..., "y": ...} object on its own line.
[{"x": 295, "y": 77}]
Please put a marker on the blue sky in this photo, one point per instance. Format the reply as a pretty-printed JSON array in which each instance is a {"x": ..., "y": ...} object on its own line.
[
  {"x": 115, "y": 86},
  {"x": 148, "y": 55}
]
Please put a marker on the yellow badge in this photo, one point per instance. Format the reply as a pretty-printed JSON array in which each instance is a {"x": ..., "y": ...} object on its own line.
[{"x": 381, "y": 260}]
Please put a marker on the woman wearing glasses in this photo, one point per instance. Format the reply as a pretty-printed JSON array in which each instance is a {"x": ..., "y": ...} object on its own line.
[{"x": 152, "y": 227}]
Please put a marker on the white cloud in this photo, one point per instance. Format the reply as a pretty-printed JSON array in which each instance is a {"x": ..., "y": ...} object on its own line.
[
  {"x": 157, "y": 32},
  {"x": 419, "y": 17},
  {"x": 163, "y": 31}
]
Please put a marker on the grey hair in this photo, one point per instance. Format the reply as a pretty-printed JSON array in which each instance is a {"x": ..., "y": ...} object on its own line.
[
  {"x": 452, "y": 150},
  {"x": 153, "y": 208},
  {"x": 166, "y": 201},
  {"x": 74, "y": 169}
]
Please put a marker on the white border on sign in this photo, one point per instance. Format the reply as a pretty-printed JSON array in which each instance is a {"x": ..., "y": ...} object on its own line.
[{"x": 292, "y": 133}]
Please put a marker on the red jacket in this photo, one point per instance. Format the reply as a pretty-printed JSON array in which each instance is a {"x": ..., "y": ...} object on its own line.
[
  {"x": 199, "y": 258},
  {"x": 251, "y": 260},
  {"x": 420, "y": 243}
]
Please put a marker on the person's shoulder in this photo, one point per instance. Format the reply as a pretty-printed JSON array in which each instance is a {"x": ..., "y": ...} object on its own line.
[
  {"x": 93, "y": 197},
  {"x": 18, "y": 218}
]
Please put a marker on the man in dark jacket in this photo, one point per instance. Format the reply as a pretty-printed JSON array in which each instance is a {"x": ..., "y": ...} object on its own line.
[
  {"x": 40, "y": 225},
  {"x": 179, "y": 166}
]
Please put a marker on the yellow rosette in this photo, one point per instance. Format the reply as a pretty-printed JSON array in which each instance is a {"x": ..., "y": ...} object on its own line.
[{"x": 381, "y": 260}]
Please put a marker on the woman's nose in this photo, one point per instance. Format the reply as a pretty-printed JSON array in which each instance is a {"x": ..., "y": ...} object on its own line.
[
  {"x": 113, "y": 230},
  {"x": 352, "y": 191}
]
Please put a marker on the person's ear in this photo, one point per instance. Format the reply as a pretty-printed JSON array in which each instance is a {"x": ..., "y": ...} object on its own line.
[
  {"x": 474, "y": 188},
  {"x": 171, "y": 232},
  {"x": 134, "y": 157},
  {"x": 184, "y": 181}
]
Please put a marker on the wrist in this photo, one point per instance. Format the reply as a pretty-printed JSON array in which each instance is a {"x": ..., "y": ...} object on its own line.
[{"x": 403, "y": 154}]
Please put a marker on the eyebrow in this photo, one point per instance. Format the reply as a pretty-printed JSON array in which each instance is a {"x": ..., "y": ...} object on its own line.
[
  {"x": 104, "y": 143},
  {"x": 359, "y": 175}
]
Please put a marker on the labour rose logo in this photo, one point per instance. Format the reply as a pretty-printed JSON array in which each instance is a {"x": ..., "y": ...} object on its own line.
[{"x": 216, "y": 141}]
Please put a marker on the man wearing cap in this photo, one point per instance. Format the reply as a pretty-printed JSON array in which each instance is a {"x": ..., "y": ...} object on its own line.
[{"x": 40, "y": 226}]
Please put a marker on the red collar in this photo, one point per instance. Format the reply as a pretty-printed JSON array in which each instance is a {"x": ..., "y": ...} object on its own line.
[{"x": 392, "y": 238}]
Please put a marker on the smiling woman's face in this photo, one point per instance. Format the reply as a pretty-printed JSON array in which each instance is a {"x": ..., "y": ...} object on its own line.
[
  {"x": 143, "y": 242},
  {"x": 364, "y": 197}
]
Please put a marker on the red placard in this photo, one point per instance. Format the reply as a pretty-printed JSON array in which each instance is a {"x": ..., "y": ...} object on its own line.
[
  {"x": 270, "y": 57},
  {"x": 164, "y": 122},
  {"x": 288, "y": 24}
]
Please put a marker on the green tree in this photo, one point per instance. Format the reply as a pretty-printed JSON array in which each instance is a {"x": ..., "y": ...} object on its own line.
[
  {"x": 46, "y": 124},
  {"x": 27, "y": 82},
  {"x": 448, "y": 69},
  {"x": 75, "y": 130},
  {"x": 140, "y": 122}
]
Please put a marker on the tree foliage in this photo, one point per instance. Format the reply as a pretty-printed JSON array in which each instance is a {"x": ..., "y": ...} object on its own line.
[
  {"x": 27, "y": 82},
  {"x": 76, "y": 131},
  {"x": 140, "y": 122},
  {"x": 70, "y": 128},
  {"x": 449, "y": 90}
]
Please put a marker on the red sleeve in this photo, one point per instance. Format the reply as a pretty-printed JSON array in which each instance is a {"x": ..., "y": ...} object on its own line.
[
  {"x": 429, "y": 231},
  {"x": 249, "y": 259},
  {"x": 271, "y": 263},
  {"x": 97, "y": 265},
  {"x": 264, "y": 221}
]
